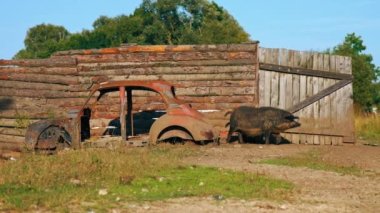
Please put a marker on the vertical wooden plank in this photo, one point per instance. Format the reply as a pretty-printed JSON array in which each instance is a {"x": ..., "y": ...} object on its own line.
[
  {"x": 296, "y": 138},
  {"x": 261, "y": 87},
  {"x": 309, "y": 139},
  {"x": 274, "y": 89},
  {"x": 267, "y": 87},
  {"x": 296, "y": 90},
  {"x": 289, "y": 92},
  {"x": 282, "y": 78},
  {"x": 123, "y": 127},
  {"x": 348, "y": 105},
  {"x": 302, "y": 138},
  {"x": 327, "y": 140}
]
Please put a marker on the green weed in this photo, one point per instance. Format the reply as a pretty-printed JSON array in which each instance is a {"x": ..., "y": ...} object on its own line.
[{"x": 71, "y": 178}]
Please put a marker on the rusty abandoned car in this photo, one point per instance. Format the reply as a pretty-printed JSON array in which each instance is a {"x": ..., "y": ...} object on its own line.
[{"x": 178, "y": 119}]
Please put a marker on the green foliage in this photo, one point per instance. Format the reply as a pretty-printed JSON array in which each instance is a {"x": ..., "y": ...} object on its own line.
[
  {"x": 313, "y": 160},
  {"x": 366, "y": 92},
  {"x": 154, "y": 22},
  {"x": 42, "y": 40},
  {"x": 54, "y": 183}
]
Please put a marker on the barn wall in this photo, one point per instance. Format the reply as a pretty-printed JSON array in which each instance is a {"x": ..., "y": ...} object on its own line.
[
  {"x": 327, "y": 121},
  {"x": 211, "y": 77}
]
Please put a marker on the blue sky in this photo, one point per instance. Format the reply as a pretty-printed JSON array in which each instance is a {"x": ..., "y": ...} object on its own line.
[{"x": 293, "y": 24}]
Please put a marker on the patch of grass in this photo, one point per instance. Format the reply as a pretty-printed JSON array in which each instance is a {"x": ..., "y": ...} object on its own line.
[
  {"x": 368, "y": 128},
  {"x": 72, "y": 178},
  {"x": 313, "y": 160}
]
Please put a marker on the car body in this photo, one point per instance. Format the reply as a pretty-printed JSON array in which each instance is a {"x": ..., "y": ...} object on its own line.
[{"x": 179, "y": 121}]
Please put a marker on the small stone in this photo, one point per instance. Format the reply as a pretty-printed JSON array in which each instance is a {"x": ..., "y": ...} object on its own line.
[
  {"x": 103, "y": 192},
  {"x": 144, "y": 190},
  {"x": 160, "y": 179},
  {"x": 237, "y": 146},
  {"x": 75, "y": 181},
  {"x": 218, "y": 197},
  {"x": 117, "y": 199},
  {"x": 260, "y": 147},
  {"x": 146, "y": 207},
  {"x": 283, "y": 207},
  {"x": 201, "y": 184}
]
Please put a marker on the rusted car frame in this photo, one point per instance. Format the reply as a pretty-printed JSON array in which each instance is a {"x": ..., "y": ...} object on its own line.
[{"x": 180, "y": 120}]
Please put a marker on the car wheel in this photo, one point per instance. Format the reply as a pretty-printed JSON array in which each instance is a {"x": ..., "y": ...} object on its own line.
[{"x": 51, "y": 140}]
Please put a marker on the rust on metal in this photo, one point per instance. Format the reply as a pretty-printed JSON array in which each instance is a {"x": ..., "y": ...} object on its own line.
[{"x": 180, "y": 120}]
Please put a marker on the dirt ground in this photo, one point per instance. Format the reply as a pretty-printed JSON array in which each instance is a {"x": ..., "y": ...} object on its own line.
[{"x": 316, "y": 191}]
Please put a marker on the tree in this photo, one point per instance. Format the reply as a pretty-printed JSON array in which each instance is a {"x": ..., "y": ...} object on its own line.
[
  {"x": 42, "y": 40},
  {"x": 364, "y": 71},
  {"x": 153, "y": 22}
]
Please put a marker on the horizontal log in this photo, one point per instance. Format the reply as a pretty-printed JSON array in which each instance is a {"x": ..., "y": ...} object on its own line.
[
  {"x": 40, "y": 70},
  {"x": 41, "y": 93},
  {"x": 18, "y": 123},
  {"x": 16, "y": 147},
  {"x": 42, "y": 86},
  {"x": 49, "y": 62},
  {"x": 34, "y": 112},
  {"x": 252, "y": 47},
  {"x": 200, "y": 77},
  {"x": 86, "y": 67},
  {"x": 12, "y": 131},
  {"x": 211, "y": 83},
  {"x": 41, "y": 78},
  {"x": 12, "y": 139},
  {"x": 173, "y": 70},
  {"x": 165, "y": 56}
]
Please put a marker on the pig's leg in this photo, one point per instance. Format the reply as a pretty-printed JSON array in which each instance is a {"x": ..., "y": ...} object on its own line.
[
  {"x": 278, "y": 138},
  {"x": 267, "y": 135},
  {"x": 229, "y": 135},
  {"x": 241, "y": 140}
]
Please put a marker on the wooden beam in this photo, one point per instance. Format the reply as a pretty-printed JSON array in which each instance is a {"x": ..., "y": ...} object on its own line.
[
  {"x": 307, "y": 72},
  {"x": 123, "y": 127},
  {"x": 310, "y": 100}
]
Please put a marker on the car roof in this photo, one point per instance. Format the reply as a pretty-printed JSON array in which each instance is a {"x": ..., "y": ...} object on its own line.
[{"x": 157, "y": 85}]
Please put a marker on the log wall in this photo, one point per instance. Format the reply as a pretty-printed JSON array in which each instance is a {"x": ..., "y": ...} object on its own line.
[{"x": 210, "y": 77}]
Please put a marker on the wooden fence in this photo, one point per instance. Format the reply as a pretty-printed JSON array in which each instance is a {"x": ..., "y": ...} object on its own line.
[{"x": 317, "y": 87}]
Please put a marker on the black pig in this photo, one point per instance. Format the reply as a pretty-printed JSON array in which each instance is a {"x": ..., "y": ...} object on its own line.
[{"x": 251, "y": 122}]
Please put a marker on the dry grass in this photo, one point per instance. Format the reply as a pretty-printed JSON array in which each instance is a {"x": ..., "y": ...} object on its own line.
[
  {"x": 76, "y": 178},
  {"x": 313, "y": 160},
  {"x": 368, "y": 128}
]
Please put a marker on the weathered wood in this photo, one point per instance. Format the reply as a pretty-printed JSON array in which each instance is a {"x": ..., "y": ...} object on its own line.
[
  {"x": 40, "y": 70},
  {"x": 267, "y": 89},
  {"x": 12, "y": 131},
  {"x": 20, "y": 122},
  {"x": 127, "y": 49},
  {"x": 50, "y": 62},
  {"x": 274, "y": 89},
  {"x": 165, "y": 56},
  {"x": 173, "y": 70},
  {"x": 307, "y": 72},
  {"x": 319, "y": 95},
  {"x": 40, "y": 93},
  {"x": 41, "y": 78}
]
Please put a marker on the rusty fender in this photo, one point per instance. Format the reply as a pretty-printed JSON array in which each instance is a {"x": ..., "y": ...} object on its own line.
[{"x": 199, "y": 129}]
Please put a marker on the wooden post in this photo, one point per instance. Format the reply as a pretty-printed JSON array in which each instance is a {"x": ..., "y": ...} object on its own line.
[
  {"x": 123, "y": 128},
  {"x": 129, "y": 111}
]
